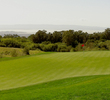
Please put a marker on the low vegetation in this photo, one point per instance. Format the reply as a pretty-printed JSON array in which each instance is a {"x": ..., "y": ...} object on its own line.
[
  {"x": 59, "y": 41},
  {"x": 16, "y": 52}
]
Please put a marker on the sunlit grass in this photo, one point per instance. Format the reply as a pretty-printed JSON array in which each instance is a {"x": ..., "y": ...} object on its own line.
[
  {"x": 77, "y": 88},
  {"x": 29, "y": 70}
]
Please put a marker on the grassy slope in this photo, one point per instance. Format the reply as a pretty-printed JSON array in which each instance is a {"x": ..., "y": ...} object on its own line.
[
  {"x": 18, "y": 50},
  {"x": 77, "y": 88},
  {"x": 47, "y": 67},
  {"x": 6, "y": 49}
]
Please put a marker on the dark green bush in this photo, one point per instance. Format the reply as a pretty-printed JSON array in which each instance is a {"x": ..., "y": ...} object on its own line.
[
  {"x": 48, "y": 47},
  {"x": 46, "y": 42},
  {"x": 103, "y": 45},
  {"x": 10, "y": 42},
  {"x": 62, "y": 48},
  {"x": 2, "y": 45},
  {"x": 34, "y": 47},
  {"x": 73, "y": 50},
  {"x": 51, "y": 47},
  {"x": 26, "y": 51}
]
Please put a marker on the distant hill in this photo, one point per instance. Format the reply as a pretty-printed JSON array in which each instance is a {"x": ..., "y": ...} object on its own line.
[
  {"x": 2, "y": 33},
  {"x": 31, "y": 28}
]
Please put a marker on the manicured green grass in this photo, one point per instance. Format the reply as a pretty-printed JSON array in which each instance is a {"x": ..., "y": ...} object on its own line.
[
  {"x": 77, "y": 88},
  {"x": 30, "y": 70}
]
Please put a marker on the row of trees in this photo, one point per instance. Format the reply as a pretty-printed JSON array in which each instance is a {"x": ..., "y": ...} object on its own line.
[
  {"x": 69, "y": 37},
  {"x": 57, "y": 41}
]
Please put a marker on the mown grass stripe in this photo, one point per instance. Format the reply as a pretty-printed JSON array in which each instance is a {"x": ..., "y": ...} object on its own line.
[{"x": 41, "y": 68}]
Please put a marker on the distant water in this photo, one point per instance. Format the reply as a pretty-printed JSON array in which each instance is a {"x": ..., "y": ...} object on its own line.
[{"x": 32, "y": 29}]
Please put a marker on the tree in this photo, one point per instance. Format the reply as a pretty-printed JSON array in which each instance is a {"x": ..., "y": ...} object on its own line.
[
  {"x": 49, "y": 37},
  {"x": 102, "y": 36},
  {"x": 0, "y": 36},
  {"x": 40, "y": 36},
  {"x": 11, "y": 36},
  {"x": 96, "y": 36},
  {"x": 68, "y": 37},
  {"x": 32, "y": 38},
  {"x": 26, "y": 51},
  {"x": 57, "y": 36},
  {"x": 107, "y": 33}
]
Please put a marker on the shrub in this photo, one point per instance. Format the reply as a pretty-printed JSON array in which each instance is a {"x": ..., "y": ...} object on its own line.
[
  {"x": 51, "y": 47},
  {"x": 14, "y": 53},
  {"x": 10, "y": 42},
  {"x": 2, "y": 45},
  {"x": 1, "y": 55},
  {"x": 73, "y": 50},
  {"x": 103, "y": 46},
  {"x": 48, "y": 47},
  {"x": 26, "y": 51},
  {"x": 62, "y": 48},
  {"x": 46, "y": 42},
  {"x": 78, "y": 48},
  {"x": 34, "y": 47},
  {"x": 68, "y": 49},
  {"x": 6, "y": 52}
]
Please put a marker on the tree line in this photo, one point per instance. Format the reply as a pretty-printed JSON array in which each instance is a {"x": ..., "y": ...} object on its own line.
[
  {"x": 69, "y": 40},
  {"x": 70, "y": 37}
]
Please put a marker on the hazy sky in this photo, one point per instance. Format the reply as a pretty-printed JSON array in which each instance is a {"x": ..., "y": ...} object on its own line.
[{"x": 58, "y": 12}]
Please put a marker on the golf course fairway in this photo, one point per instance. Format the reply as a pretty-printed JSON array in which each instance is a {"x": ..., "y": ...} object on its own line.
[
  {"x": 45, "y": 67},
  {"x": 28, "y": 71},
  {"x": 77, "y": 88}
]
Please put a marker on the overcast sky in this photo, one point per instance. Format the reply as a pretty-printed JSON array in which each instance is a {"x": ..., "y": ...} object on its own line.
[{"x": 57, "y": 12}]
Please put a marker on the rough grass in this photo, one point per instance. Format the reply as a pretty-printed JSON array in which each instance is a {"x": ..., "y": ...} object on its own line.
[
  {"x": 77, "y": 88},
  {"x": 30, "y": 70},
  {"x": 6, "y": 51}
]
